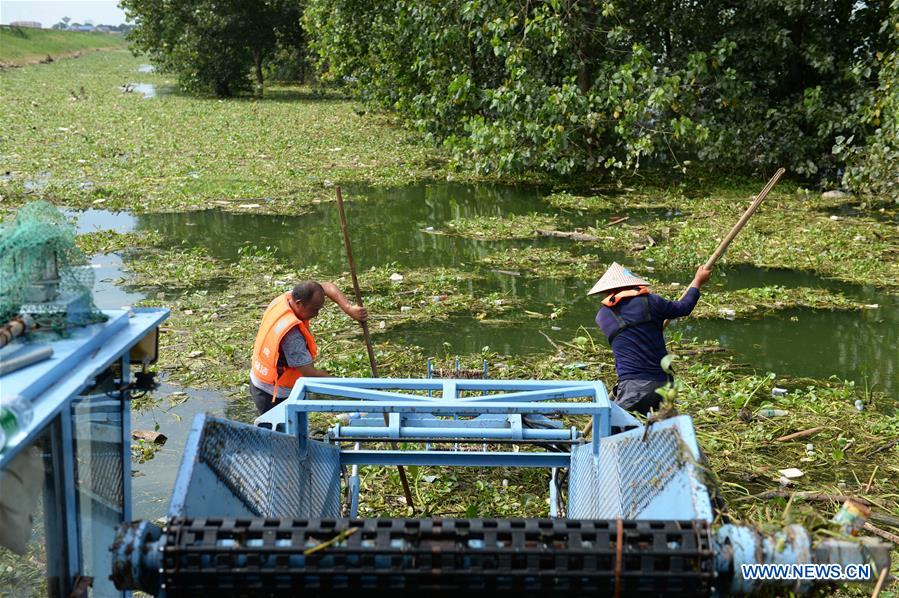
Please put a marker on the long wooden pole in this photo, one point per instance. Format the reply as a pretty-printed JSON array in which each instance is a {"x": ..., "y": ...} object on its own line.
[
  {"x": 722, "y": 246},
  {"x": 371, "y": 354},
  {"x": 735, "y": 230}
]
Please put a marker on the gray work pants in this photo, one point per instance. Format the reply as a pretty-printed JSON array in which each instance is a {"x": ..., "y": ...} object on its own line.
[{"x": 638, "y": 395}]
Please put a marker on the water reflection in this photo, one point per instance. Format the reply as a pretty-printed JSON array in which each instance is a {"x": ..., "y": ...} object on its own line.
[
  {"x": 391, "y": 226},
  {"x": 860, "y": 346}
]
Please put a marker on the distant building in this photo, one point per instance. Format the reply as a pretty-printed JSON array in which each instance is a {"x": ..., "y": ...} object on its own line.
[
  {"x": 29, "y": 24},
  {"x": 82, "y": 28}
]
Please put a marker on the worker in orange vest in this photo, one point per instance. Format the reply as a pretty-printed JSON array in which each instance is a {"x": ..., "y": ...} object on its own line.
[{"x": 285, "y": 347}]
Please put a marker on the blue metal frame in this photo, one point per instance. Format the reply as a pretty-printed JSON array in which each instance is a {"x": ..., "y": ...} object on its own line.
[
  {"x": 51, "y": 386},
  {"x": 77, "y": 360},
  {"x": 490, "y": 412},
  {"x": 417, "y": 415}
]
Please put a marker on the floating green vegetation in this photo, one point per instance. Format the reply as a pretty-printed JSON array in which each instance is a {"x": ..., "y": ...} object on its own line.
[
  {"x": 109, "y": 146},
  {"x": 793, "y": 229},
  {"x": 757, "y": 301},
  {"x": 546, "y": 262},
  {"x": 216, "y": 308},
  {"x": 108, "y": 241},
  {"x": 500, "y": 227}
]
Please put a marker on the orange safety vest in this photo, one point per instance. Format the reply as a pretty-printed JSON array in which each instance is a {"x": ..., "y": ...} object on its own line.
[
  {"x": 277, "y": 321},
  {"x": 614, "y": 298}
]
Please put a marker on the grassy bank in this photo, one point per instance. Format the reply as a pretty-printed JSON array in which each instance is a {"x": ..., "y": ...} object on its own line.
[{"x": 22, "y": 45}]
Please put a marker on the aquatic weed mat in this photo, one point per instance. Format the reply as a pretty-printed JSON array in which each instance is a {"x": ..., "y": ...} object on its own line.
[
  {"x": 794, "y": 228},
  {"x": 80, "y": 134}
]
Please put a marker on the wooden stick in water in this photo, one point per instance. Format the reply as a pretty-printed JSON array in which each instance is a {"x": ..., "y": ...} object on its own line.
[{"x": 371, "y": 355}]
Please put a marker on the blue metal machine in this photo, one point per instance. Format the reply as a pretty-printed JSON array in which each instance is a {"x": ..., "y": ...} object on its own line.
[
  {"x": 269, "y": 508},
  {"x": 65, "y": 469}
]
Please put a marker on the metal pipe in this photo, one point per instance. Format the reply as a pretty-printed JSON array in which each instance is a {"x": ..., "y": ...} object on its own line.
[
  {"x": 22, "y": 359},
  {"x": 435, "y": 434}
]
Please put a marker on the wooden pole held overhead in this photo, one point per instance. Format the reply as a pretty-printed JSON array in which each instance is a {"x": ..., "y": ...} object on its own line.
[
  {"x": 722, "y": 247},
  {"x": 735, "y": 230}
]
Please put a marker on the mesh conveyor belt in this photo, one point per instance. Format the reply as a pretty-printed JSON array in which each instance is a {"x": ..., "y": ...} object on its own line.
[{"x": 500, "y": 556}]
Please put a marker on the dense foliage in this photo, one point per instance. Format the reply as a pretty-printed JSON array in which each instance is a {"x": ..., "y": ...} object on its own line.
[
  {"x": 214, "y": 45},
  {"x": 873, "y": 166},
  {"x": 581, "y": 85}
]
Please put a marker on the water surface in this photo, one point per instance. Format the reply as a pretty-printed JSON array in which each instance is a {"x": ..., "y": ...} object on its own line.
[{"x": 401, "y": 227}]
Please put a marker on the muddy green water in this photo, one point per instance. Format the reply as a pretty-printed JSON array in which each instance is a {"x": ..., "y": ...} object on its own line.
[{"x": 399, "y": 227}]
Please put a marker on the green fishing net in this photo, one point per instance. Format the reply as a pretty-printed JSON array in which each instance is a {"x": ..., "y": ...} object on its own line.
[{"x": 42, "y": 272}]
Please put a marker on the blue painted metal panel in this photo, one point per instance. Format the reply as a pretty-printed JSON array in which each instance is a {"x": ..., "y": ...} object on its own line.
[
  {"x": 232, "y": 469},
  {"x": 633, "y": 479},
  {"x": 76, "y": 361}
]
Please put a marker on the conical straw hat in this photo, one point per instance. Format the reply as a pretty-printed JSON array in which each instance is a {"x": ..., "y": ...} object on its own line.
[{"x": 616, "y": 276}]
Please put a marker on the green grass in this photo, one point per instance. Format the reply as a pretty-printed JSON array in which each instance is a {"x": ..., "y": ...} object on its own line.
[{"x": 21, "y": 45}]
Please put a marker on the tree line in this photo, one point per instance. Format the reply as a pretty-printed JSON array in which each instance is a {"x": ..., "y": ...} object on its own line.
[{"x": 577, "y": 86}]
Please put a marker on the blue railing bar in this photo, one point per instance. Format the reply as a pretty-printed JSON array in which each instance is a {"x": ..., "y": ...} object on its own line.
[
  {"x": 437, "y": 383},
  {"x": 602, "y": 421},
  {"x": 447, "y": 407},
  {"x": 428, "y": 421},
  {"x": 365, "y": 394},
  {"x": 406, "y": 432},
  {"x": 572, "y": 392},
  {"x": 488, "y": 459}
]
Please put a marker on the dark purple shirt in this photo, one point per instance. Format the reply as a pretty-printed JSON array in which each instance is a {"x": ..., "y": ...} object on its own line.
[{"x": 639, "y": 350}]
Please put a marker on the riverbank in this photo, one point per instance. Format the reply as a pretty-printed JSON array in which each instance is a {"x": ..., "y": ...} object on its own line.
[{"x": 21, "y": 46}]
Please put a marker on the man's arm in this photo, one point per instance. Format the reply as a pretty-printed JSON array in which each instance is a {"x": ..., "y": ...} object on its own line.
[
  {"x": 677, "y": 309},
  {"x": 297, "y": 355},
  {"x": 356, "y": 312},
  {"x": 309, "y": 371}
]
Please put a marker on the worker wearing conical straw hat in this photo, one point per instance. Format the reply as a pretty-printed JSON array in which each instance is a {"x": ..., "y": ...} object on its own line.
[{"x": 633, "y": 319}]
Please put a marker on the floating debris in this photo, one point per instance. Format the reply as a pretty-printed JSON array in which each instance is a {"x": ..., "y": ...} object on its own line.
[
  {"x": 791, "y": 473},
  {"x": 773, "y": 413}
]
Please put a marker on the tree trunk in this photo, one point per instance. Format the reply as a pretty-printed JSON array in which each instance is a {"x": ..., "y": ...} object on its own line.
[{"x": 257, "y": 60}]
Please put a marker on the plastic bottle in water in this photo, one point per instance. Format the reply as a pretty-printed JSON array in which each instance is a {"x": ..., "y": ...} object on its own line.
[
  {"x": 15, "y": 415},
  {"x": 773, "y": 413}
]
